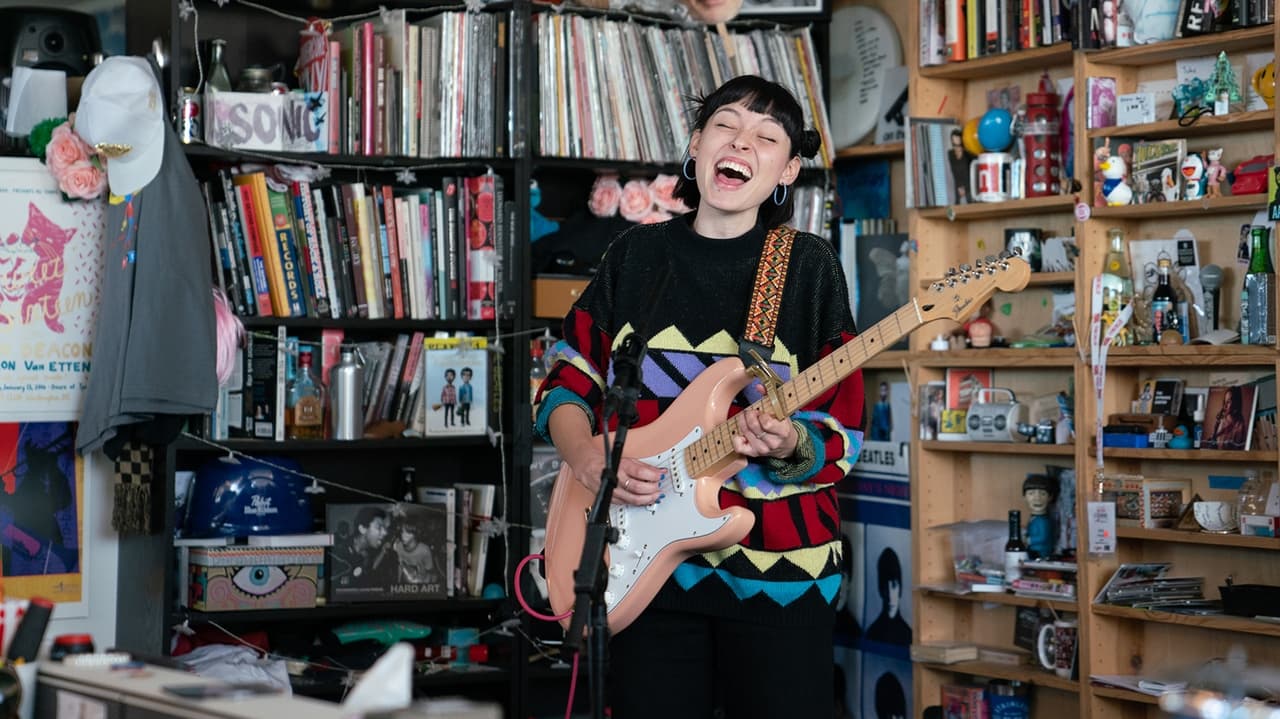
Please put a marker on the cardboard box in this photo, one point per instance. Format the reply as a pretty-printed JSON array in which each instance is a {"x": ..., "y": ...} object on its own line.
[
  {"x": 1147, "y": 502},
  {"x": 292, "y": 122},
  {"x": 238, "y": 578},
  {"x": 553, "y": 295}
]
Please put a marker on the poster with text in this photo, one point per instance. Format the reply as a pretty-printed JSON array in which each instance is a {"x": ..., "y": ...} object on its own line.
[
  {"x": 50, "y": 265},
  {"x": 41, "y": 511},
  {"x": 874, "y": 627}
]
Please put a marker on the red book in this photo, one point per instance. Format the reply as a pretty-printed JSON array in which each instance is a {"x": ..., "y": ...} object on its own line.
[
  {"x": 398, "y": 300},
  {"x": 368, "y": 90},
  {"x": 481, "y": 247}
]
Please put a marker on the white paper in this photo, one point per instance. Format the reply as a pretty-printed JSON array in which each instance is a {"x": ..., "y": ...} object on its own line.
[
  {"x": 34, "y": 96},
  {"x": 1135, "y": 108},
  {"x": 1102, "y": 528}
]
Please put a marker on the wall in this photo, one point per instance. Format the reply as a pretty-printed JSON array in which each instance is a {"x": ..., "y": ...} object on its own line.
[{"x": 96, "y": 614}]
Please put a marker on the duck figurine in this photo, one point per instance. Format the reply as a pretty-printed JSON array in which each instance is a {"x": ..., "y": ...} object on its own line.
[{"x": 1114, "y": 188}]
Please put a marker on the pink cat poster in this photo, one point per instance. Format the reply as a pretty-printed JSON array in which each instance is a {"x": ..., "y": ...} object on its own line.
[{"x": 50, "y": 267}]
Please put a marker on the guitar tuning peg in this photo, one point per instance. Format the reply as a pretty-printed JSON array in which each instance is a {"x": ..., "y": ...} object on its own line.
[
  {"x": 950, "y": 271},
  {"x": 1006, "y": 254},
  {"x": 991, "y": 259},
  {"x": 965, "y": 267}
]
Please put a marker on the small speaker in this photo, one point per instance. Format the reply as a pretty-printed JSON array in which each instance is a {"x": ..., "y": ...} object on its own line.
[{"x": 48, "y": 38}]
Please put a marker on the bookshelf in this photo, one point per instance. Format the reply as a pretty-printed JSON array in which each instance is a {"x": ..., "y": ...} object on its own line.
[
  {"x": 955, "y": 481},
  {"x": 527, "y": 683}
]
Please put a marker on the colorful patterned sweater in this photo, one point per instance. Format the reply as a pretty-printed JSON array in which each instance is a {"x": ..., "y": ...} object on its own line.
[{"x": 787, "y": 569}]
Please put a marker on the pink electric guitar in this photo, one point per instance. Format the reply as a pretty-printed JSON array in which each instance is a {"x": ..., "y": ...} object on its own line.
[{"x": 692, "y": 441}]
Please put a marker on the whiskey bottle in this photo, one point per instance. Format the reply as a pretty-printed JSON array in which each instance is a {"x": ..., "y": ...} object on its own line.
[
  {"x": 304, "y": 413},
  {"x": 1164, "y": 303}
]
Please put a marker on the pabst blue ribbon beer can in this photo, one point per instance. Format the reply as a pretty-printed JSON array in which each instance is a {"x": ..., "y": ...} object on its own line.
[{"x": 189, "y": 116}]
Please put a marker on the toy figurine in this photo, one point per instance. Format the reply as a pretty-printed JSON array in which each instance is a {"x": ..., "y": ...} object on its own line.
[
  {"x": 1192, "y": 177},
  {"x": 1114, "y": 188},
  {"x": 1215, "y": 174},
  {"x": 1040, "y": 492}
]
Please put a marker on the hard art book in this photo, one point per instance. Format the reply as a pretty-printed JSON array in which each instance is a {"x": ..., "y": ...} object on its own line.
[{"x": 391, "y": 551}]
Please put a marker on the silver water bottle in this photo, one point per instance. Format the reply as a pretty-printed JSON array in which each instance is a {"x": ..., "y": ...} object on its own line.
[{"x": 345, "y": 392}]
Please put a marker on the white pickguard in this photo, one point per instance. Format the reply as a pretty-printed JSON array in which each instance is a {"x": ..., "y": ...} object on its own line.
[{"x": 643, "y": 532}]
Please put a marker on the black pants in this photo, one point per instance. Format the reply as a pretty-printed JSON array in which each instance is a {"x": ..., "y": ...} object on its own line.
[{"x": 686, "y": 666}]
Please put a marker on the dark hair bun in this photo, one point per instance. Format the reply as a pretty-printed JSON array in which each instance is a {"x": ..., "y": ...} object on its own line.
[{"x": 809, "y": 143}]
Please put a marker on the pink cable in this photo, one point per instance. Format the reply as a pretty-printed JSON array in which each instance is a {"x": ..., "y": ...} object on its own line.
[
  {"x": 573, "y": 684},
  {"x": 525, "y": 605}
]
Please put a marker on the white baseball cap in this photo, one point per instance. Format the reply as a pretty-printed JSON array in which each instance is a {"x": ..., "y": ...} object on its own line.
[{"x": 121, "y": 114}]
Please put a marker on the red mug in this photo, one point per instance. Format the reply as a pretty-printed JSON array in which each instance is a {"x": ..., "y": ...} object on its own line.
[{"x": 989, "y": 176}]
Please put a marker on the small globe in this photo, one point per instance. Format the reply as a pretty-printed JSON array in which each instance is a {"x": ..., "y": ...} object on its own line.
[{"x": 995, "y": 130}]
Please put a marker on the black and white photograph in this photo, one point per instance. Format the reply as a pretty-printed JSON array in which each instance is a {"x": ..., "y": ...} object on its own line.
[
  {"x": 386, "y": 552},
  {"x": 781, "y": 7}
]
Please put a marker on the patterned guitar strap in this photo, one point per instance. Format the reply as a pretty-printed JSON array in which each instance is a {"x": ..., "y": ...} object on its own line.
[{"x": 766, "y": 297}]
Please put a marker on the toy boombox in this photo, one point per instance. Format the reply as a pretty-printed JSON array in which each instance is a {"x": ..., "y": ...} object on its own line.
[{"x": 995, "y": 416}]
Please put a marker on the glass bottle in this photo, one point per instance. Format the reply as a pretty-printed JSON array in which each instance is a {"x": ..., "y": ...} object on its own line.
[
  {"x": 1164, "y": 303},
  {"x": 1117, "y": 282},
  {"x": 1015, "y": 550},
  {"x": 409, "y": 484},
  {"x": 217, "y": 79},
  {"x": 1260, "y": 283},
  {"x": 304, "y": 414}
]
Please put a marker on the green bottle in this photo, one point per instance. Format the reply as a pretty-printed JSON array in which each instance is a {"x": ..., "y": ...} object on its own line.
[{"x": 1260, "y": 284}]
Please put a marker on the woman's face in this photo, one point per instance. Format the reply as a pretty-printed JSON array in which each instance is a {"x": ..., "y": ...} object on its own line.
[
  {"x": 713, "y": 11},
  {"x": 741, "y": 156}
]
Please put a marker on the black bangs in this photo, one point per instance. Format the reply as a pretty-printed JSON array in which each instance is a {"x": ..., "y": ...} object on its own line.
[{"x": 759, "y": 95}]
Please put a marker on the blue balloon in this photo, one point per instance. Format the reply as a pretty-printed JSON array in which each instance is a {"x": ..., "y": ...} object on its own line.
[{"x": 995, "y": 130}]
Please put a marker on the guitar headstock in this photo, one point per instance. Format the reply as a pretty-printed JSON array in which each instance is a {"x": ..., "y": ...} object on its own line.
[{"x": 963, "y": 290}]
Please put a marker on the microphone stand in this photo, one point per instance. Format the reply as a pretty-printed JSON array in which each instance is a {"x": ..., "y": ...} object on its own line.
[{"x": 591, "y": 577}]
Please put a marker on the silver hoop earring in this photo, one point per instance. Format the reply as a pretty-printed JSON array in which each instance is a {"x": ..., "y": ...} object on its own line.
[
  {"x": 684, "y": 169},
  {"x": 779, "y": 200}
]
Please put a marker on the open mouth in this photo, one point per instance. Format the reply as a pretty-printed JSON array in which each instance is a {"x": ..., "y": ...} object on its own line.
[{"x": 733, "y": 172}]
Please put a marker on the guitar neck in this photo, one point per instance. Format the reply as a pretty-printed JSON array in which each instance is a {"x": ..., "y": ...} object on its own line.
[{"x": 717, "y": 446}]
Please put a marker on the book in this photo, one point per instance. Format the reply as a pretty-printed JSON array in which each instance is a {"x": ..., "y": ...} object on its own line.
[
  {"x": 963, "y": 385},
  {"x": 1228, "y": 417},
  {"x": 1102, "y": 102},
  {"x": 1156, "y": 174},
  {"x": 390, "y": 551},
  {"x": 1166, "y": 396},
  {"x": 443, "y": 502},
  {"x": 456, "y": 383},
  {"x": 1130, "y": 573},
  {"x": 482, "y": 497},
  {"x": 963, "y": 702},
  {"x": 1264, "y": 416},
  {"x": 944, "y": 652}
]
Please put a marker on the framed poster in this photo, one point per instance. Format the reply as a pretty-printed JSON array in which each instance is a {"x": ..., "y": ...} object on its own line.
[{"x": 50, "y": 266}]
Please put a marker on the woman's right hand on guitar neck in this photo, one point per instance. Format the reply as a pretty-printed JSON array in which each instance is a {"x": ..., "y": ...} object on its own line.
[{"x": 638, "y": 483}]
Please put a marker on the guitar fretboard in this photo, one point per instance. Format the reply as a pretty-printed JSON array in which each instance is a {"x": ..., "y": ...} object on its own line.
[{"x": 717, "y": 445}]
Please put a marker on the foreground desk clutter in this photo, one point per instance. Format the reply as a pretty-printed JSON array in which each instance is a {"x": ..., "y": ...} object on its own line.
[{"x": 75, "y": 692}]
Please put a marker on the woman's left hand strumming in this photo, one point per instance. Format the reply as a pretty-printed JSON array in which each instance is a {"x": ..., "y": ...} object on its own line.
[{"x": 763, "y": 435}]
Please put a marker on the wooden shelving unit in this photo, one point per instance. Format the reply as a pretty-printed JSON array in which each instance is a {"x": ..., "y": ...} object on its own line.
[
  {"x": 1183, "y": 536},
  {"x": 1184, "y": 208},
  {"x": 868, "y": 152},
  {"x": 968, "y": 481},
  {"x": 1205, "y": 125},
  {"x": 995, "y": 210},
  {"x": 1017, "y": 672}
]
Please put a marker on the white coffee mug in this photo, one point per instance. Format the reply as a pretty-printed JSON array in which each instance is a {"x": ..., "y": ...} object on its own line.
[
  {"x": 1056, "y": 646},
  {"x": 990, "y": 176}
]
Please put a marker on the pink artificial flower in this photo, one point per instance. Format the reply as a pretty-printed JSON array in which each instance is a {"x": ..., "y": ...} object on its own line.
[
  {"x": 635, "y": 202},
  {"x": 82, "y": 181},
  {"x": 604, "y": 196},
  {"x": 663, "y": 190},
  {"x": 655, "y": 216},
  {"x": 65, "y": 149}
]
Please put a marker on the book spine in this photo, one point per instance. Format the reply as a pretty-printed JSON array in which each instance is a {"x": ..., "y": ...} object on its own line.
[
  {"x": 286, "y": 246},
  {"x": 306, "y": 213}
]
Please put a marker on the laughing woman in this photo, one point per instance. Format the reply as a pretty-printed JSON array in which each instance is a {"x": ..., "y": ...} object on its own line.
[{"x": 744, "y": 631}]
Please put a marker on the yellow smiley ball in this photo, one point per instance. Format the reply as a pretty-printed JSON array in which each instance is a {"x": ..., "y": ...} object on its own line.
[{"x": 970, "y": 137}]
